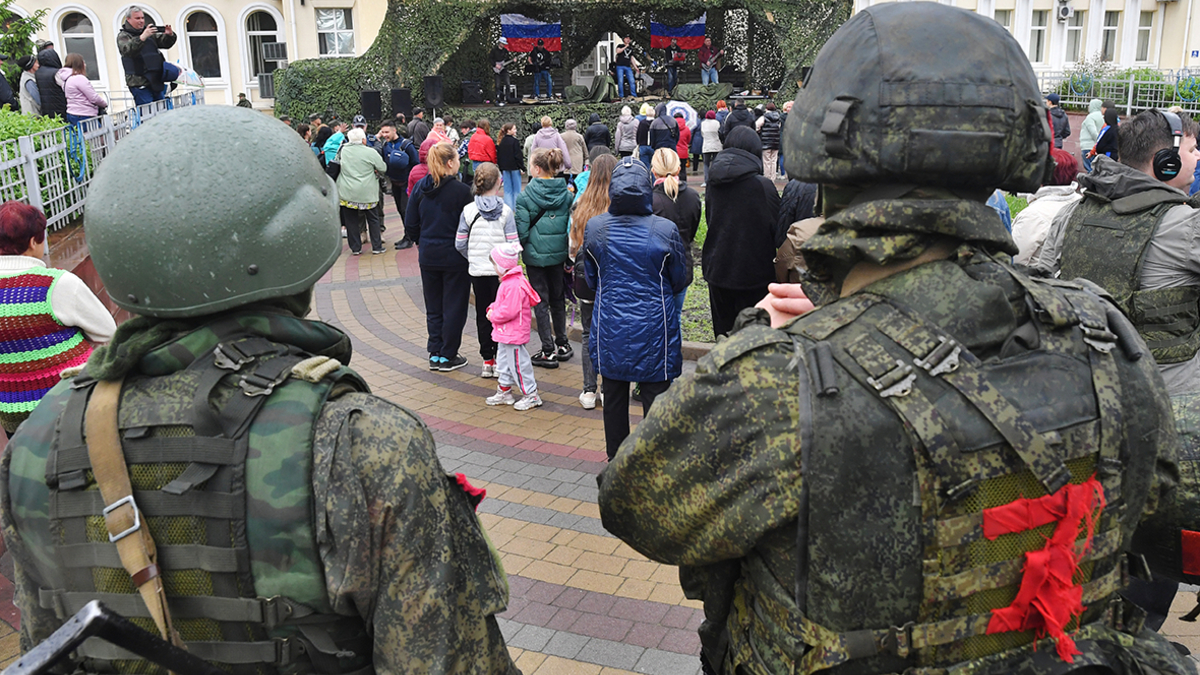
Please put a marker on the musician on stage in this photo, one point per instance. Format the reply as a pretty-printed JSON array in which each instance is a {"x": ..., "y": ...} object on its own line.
[
  {"x": 539, "y": 59},
  {"x": 500, "y": 58},
  {"x": 709, "y": 56},
  {"x": 675, "y": 59},
  {"x": 624, "y": 63}
]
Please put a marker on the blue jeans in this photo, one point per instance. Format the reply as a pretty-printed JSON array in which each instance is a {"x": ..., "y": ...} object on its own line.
[
  {"x": 1087, "y": 163},
  {"x": 76, "y": 119},
  {"x": 679, "y": 298},
  {"x": 537, "y": 82},
  {"x": 672, "y": 77},
  {"x": 585, "y": 324},
  {"x": 625, "y": 73},
  {"x": 144, "y": 95},
  {"x": 512, "y": 187},
  {"x": 708, "y": 75}
]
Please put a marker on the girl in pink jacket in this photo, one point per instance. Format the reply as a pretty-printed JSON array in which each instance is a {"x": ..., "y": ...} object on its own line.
[{"x": 512, "y": 316}]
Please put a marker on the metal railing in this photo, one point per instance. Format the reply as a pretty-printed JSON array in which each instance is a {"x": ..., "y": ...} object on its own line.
[
  {"x": 1132, "y": 92},
  {"x": 51, "y": 170}
]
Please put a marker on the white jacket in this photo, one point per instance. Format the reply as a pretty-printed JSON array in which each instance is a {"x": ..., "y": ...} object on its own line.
[
  {"x": 483, "y": 235},
  {"x": 710, "y": 130},
  {"x": 1032, "y": 224}
]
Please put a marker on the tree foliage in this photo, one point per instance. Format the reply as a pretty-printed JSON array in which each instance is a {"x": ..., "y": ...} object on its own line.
[
  {"x": 16, "y": 35},
  {"x": 768, "y": 39}
]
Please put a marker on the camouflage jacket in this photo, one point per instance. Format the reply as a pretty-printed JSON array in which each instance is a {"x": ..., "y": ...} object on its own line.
[
  {"x": 397, "y": 537},
  {"x": 711, "y": 481},
  {"x": 131, "y": 47}
]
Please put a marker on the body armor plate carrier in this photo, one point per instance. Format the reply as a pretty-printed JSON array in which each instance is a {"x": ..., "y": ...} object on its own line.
[{"x": 220, "y": 457}]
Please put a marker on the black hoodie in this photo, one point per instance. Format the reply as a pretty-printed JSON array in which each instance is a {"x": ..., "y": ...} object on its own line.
[
  {"x": 1062, "y": 125},
  {"x": 54, "y": 99},
  {"x": 742, "y": 209},
  {"x": 432, "y": 221},
  {"x": 597, "y": 133}
]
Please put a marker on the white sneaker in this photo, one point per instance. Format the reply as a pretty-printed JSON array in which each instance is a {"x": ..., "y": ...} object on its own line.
[
  {"x": 527, "y": 402},
  {"x": 489, "y": 369},
  {"x": 503, "y": 397},
  {"x": 588, "y": 400}
]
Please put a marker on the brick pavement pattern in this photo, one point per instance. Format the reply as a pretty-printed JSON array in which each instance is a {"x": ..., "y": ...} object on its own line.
[{"x": 581, "y": 600}]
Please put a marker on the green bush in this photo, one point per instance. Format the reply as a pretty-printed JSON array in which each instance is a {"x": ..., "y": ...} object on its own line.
[{"x": 13, "y": 125}]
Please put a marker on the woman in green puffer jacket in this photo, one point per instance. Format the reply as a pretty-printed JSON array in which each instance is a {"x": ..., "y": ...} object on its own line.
[{"x": 543, "y": 219}]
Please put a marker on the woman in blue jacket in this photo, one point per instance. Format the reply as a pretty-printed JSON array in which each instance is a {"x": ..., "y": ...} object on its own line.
[{"x": 635, "y": 262}]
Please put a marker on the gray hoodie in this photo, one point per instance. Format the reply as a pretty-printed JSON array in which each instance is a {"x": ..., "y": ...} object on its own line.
[{"x": 627, "y": 131}]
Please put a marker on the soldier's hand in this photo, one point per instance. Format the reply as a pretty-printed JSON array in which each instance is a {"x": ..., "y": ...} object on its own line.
[{"x": 785, "y": 302}]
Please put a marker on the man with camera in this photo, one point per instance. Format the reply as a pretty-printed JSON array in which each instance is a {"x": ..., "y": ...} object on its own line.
[{"x": 146, "y": 69}]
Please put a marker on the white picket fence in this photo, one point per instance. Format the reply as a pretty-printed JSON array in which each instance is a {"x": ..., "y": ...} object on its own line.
[
  {"x": 51, "y": 170},
  {"x": 1132, "y": 93}
]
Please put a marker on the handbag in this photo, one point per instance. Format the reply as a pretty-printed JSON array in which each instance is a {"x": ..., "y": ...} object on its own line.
[{"x": 334, "y": 168}]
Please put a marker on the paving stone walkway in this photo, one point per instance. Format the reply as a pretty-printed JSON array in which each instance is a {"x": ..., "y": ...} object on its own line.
[{"x": 582, "y": 602}]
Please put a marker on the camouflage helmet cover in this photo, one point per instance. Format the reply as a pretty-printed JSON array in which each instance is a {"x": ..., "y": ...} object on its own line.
[
  {"x": 920, "y": 93},
  {"x": 182, "y": 223}
]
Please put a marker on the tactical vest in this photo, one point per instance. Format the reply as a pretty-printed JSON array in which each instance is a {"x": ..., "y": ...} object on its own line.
[
  {"x": 1106, "y": 242},
  {"x": 220, "y": 457},
  {"x": 963, "y": 493}
]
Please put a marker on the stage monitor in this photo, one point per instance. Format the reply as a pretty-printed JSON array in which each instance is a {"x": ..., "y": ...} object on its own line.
[
  {"x": 371, "y": 104},
  {"x": 472, "y": 92},
  {"x": 433, "y": 91},
  {"x": 402, "y": 102}
]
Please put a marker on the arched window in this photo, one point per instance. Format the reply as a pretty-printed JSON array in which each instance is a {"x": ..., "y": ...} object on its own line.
[
  {"x": 261, "y": 27},
  {"x": 204, "y": 48},
  {"x": 79, "y": 37}
]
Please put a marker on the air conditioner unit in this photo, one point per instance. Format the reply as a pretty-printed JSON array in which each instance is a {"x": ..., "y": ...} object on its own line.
[
  {"x": 1065, "y": 12},
  {"x": 274, "y": 51},
  {"x": 266, "y": 85}
]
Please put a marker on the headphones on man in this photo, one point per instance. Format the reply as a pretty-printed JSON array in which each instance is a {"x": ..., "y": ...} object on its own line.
[{"x": 1167, "y": 162}]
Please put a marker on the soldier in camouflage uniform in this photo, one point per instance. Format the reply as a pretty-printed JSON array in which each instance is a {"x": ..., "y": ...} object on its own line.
[
  {"x": 302, "y": 525},
  {"x": 940, "y": 469}
]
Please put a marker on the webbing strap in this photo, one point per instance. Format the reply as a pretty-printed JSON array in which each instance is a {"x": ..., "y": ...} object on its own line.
[
  {"x": 159, "y": 449},
  {"x": 1052, "y": 308},
  {"x": 122, "y": 517},
  {"x": 832, "y": 649},
  {"x": 271, "y": 612},
  {"x": 917, "y": 337},
  {"x": 207, "y": 504},
  {"x": 195, "y": 474},
  {"x": 279, "y": 652},
  {"x": 182, "y": 557},
  {"x": 962, "y": 530},
  {"x": 1006, "y": 573}
]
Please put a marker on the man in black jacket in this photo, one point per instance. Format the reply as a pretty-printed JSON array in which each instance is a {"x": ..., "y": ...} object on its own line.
[
  {"x": 740, "y": 116},
  {"x": 54, "y": 100},
  {"x": 742, "y": 207},
  {"x": 146, "y": 70},
  {"x": 597, "y": 133},
  {"x": 1058, "y": 116},
  {"x": 539, "y": 63},
  {"x": 6, "y": 92}
]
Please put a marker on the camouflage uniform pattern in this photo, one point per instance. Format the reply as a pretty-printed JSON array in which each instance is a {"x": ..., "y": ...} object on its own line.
[
  {"x": 130, "y": 44},
  {"x": 397, "y": 538},
  {"x": 711, "y": 479}
]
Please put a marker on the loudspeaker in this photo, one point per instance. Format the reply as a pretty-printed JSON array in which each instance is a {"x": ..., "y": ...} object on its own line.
[
  {"x": 472, "y": 92},
  {"x": 371, "y": 104},
  {"x": 433, "y": 91},
  {"x": 402, "y": 103},
  {"x": 1167, "y": 162}
]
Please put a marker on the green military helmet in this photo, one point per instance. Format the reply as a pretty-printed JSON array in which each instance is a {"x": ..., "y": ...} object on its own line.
[
  {"x": 207, "y": 208},
  {"x": 920, "y": 93}
]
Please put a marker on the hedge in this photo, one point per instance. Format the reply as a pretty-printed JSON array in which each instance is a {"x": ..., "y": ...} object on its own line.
[{"x": 771, "y": 39}]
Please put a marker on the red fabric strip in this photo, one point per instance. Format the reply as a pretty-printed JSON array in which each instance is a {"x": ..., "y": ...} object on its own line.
[
  {"x": 1191, "y": 552},
  {"x": 475, "y": 494},
  {"x": 1048, "y": 598}
]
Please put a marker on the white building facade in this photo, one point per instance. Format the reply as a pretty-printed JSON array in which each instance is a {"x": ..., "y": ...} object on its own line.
[
  {"x": 219, "y": 39},
  {"x": 1058, "y": 34}
]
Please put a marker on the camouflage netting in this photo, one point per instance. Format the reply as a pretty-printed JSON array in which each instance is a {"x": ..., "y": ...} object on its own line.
[{"x": 769, "y": 40}]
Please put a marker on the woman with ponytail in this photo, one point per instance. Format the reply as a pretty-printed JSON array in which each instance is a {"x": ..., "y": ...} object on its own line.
[
  {"x": 543, "y": 218},
  {"x": 431, "y": 222},
  {"x": 677, "y": 203}
]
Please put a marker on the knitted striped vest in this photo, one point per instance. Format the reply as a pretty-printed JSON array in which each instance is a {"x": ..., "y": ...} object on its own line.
[{"x": 34, "y": 345}]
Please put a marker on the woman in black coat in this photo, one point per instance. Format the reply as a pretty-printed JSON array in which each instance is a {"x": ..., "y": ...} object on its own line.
[
  {"x": 677, "y": 203},
  {"x": 738, "y": 258},
  {"x": 1106, "y": 144},
  {"x": 511, "y": 161}
]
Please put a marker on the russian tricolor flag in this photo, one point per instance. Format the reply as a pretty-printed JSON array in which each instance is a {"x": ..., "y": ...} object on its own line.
[
  {"x": 690, "y": 34},
  {"x": 523, "y": 33}
]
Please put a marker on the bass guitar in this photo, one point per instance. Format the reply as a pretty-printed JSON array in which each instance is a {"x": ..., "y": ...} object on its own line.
[
  {"x": 714, "y": 61},
  {"x": 501, "y": 65}
]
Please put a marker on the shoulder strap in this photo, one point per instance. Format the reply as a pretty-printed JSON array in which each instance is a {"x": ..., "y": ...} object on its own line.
[{"x": 121, "y": 514}]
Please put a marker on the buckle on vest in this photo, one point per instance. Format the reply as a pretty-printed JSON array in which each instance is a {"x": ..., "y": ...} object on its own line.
[
  {"x": 226, "y": 355},
  {"x": 137, "y": 519},
  {"x": 898, "y": 640},
  {"x": 1098, "y": 337},
  {"x": 896, "y": 382},
  {"x": 257, "y": 384},
  {"x": 942, "y": 359}
]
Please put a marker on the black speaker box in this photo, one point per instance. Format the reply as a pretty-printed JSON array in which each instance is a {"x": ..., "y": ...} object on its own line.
[
  {"x": 472, "y": 91},
  {"x": 402, "y": 103},
  {"x": 371, "y": 104},
  {"x": 433, "y": 91}
]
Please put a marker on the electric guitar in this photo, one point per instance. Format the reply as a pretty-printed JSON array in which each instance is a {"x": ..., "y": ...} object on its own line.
[
  {"x": 714, "y": 60},
  {"x": 501, "y": 65}
]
